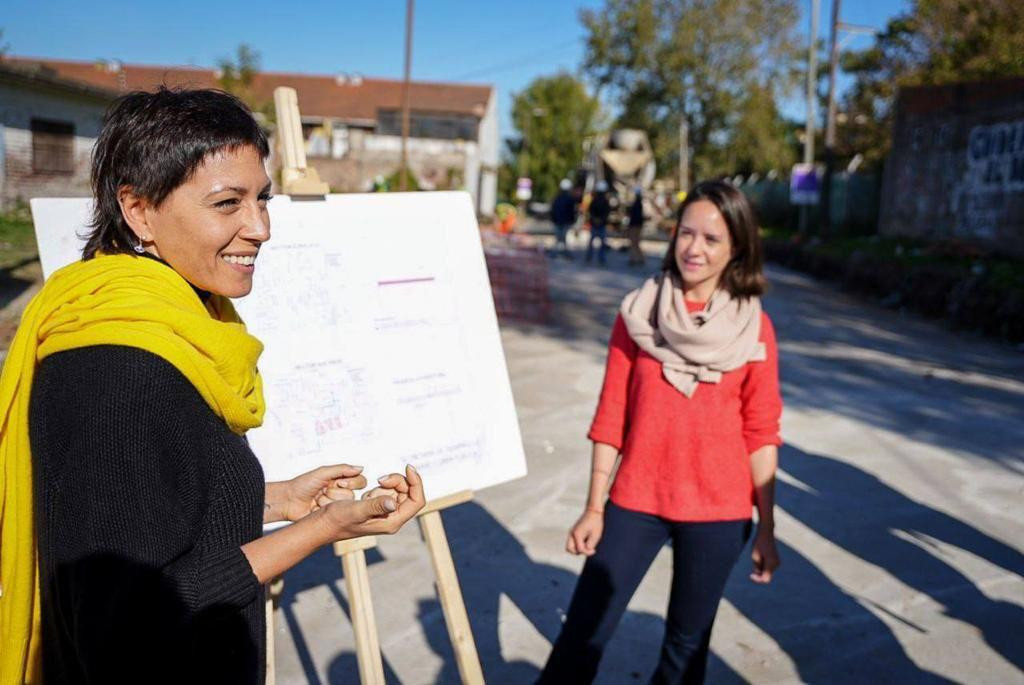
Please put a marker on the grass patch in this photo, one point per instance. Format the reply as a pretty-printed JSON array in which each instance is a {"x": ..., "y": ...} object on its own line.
[{"x": 17, "y": 237}]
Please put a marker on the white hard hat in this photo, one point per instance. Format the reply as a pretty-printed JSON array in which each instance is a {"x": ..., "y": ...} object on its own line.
[
  {"x": 601, "y": 187},
  {"x": 565, "y": 184}
]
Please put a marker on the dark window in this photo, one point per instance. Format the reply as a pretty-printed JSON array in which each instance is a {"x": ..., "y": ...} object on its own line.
[
  {"x": 53, "y": 146},
  {"x": 429, "y": 125}
]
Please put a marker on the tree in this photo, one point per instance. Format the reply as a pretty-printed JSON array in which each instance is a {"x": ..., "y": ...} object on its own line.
[
  {"x": 760, "y": 138},
  {"x": 553, "y": 116},
  {"x": 708, "y": 61},
  {"x": 236, "y": 77},
  {"x": 935, "y": 42}
]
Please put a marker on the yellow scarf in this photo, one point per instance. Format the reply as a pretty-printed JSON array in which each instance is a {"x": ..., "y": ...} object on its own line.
[{"x": 108, "y": 300}]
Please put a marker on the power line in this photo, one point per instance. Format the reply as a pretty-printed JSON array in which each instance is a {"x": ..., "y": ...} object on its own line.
[
  {"x": 511, "y": 64},
  {"x": 490, "y": 40}
]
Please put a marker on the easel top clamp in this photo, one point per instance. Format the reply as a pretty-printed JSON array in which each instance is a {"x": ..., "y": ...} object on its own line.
[{"x": 297, "y": 178}]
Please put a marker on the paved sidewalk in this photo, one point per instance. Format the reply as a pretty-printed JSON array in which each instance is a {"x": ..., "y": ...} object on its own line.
[{"x": 900, "y": 515}]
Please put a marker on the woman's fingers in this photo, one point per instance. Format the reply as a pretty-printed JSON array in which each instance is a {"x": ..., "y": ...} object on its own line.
[
  {"x": 381, "y": 511},
  {"x": 413, "y": 500},
  {"x": 377, "y": 492},
  {"x": 339, "y": 493},
  {"x": 375, "y": 508},
  {"x": 590, "y": 537},
  {"x": 415, "y": 483},
  {"x": 357, "y": 482},
  {"x": 329, "y": 495},
  {"x": 588, "y": 544},
  {"x": 764, "y": 566},
  {"x": 394, "y": 481},
  {"x": 570, "y": 544},
  {"x": 336, "y": 471}
]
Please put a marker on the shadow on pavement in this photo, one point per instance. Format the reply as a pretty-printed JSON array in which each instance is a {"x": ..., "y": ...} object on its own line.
[
  {"x": 324, "y": 568},
  {"x": 899, "y": 374},
  {"x": 491, "y": 562},
  {"x": 832, "y": 635}
]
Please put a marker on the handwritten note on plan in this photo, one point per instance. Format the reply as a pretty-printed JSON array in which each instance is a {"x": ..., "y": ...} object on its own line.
[{"x": 382, "y": 346}]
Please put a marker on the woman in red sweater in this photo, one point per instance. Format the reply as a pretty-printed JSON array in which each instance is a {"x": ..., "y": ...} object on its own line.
[{"x": 691, "y": 402}]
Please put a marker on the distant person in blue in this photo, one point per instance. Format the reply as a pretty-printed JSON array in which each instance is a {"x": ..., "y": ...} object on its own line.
[
  {"x": 598, "y": 212},
  {"x": 563, "y": 216}
]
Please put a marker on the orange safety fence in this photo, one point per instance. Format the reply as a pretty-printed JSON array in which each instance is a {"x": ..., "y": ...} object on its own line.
[{"x": 519, "y": 281}]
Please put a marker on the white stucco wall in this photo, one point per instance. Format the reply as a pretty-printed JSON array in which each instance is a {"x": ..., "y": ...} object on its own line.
[{"x": 18, "y": 106}]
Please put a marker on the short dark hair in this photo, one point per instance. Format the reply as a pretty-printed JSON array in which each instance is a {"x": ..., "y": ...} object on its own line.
[
  {"x": 154, "y": 142},
  {"x": 743, "y": 276}
]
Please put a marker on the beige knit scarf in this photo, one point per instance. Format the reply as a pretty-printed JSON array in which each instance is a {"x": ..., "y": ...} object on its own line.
[{"x": 693, "y": 348}]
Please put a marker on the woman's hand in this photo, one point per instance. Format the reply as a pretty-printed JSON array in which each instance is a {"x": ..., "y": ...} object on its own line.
[
  {"x": 382, "y": 511},
  {"x": 765, "y": 556},
  {"x": 294, "y": 499},
  {"x": 585, "y": 535},
  {"x": 332, "y": 515}
]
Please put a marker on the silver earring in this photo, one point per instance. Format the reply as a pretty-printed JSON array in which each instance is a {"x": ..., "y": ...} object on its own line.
[{"x": 139, "y": 248}]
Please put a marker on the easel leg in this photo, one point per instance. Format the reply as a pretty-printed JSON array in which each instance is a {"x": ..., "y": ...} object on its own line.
[
  {"x": 364, "y": 624},
  {"x": 270, "y": 680},
  {"x": 450, "y": 594},
  {"x": 272, "y": 592}
]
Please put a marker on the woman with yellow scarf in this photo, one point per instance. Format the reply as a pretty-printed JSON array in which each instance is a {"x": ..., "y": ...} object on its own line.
[{"x": 131, "y": 546}]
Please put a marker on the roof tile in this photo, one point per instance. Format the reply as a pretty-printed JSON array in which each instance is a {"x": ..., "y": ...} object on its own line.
[{"x": 319, "y": 95}]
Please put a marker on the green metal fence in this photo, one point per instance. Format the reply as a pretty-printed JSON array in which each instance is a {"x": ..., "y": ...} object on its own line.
[{"x": 854, "y": 203}]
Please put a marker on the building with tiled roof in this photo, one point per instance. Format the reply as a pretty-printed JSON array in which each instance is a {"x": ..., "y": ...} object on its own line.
[
  {"x": 48, "y": 125},
  {"x": 352, "y": 123}
]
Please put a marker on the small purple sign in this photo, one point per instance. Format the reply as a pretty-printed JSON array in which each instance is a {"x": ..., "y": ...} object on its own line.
[{"x": 804, "y": 185}]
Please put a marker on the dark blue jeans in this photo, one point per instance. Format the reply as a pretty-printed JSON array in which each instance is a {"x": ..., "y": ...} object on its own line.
[
  {"x": 703, "y": 554},
  {"x": 561, "y": 232},
  {"x": 598, "y": 232}
]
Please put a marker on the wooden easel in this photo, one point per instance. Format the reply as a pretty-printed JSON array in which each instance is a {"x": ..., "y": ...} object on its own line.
[
  {"x": 364, "y": 622},
  {"x": 357, "y": 582},
  {"x": 299, "y": 179}
]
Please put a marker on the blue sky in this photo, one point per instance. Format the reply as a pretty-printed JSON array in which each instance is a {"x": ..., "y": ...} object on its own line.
[{"x": 504, "y": 44}]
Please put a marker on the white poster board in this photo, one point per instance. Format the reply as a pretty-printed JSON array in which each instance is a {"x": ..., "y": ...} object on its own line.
[{"x": 382, "y": 345}]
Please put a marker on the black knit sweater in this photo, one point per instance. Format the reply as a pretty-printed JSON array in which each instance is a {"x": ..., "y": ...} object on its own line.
[{"x": 143, "y": 500}]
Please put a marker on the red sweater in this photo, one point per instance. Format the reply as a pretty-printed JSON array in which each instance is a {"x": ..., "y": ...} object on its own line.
[{"x": 686, "y": 459}]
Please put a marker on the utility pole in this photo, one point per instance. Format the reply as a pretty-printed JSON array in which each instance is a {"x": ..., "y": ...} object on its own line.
[
  {"x": 812, "y": 89},
  {"x": 830, "y": 124},
  {"x": 524, "y": 152},
  {"x": 524, "y": 167},
  {"x": 684, "y": 155},
  {"x": 403, "y": 169}
]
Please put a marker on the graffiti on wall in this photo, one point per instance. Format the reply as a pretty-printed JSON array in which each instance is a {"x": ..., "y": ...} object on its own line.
[
  {"x": 995, "y": 170},
  {"x": 995, "y": 153}
]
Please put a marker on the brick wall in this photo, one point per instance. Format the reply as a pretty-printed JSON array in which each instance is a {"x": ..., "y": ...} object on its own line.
[
  {"x": 18, "y": 106},
  {"x": 956, "y": 169}
]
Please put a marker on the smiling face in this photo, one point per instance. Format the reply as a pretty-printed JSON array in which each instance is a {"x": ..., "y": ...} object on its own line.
[
  {"x": 210, "y": 228},
  {"x": 703, "y": 249}
]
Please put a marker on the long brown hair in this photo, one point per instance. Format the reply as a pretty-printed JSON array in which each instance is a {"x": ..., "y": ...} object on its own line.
[{"x": 743, "y": 276}]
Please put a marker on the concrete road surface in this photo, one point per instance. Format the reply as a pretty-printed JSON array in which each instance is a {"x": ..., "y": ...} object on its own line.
[{"x": 901, "y": 520}]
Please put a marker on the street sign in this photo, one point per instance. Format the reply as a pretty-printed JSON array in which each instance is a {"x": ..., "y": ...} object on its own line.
[
  {"x": 524, "y": 189},
  {"x": 804, "y": 185}
]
